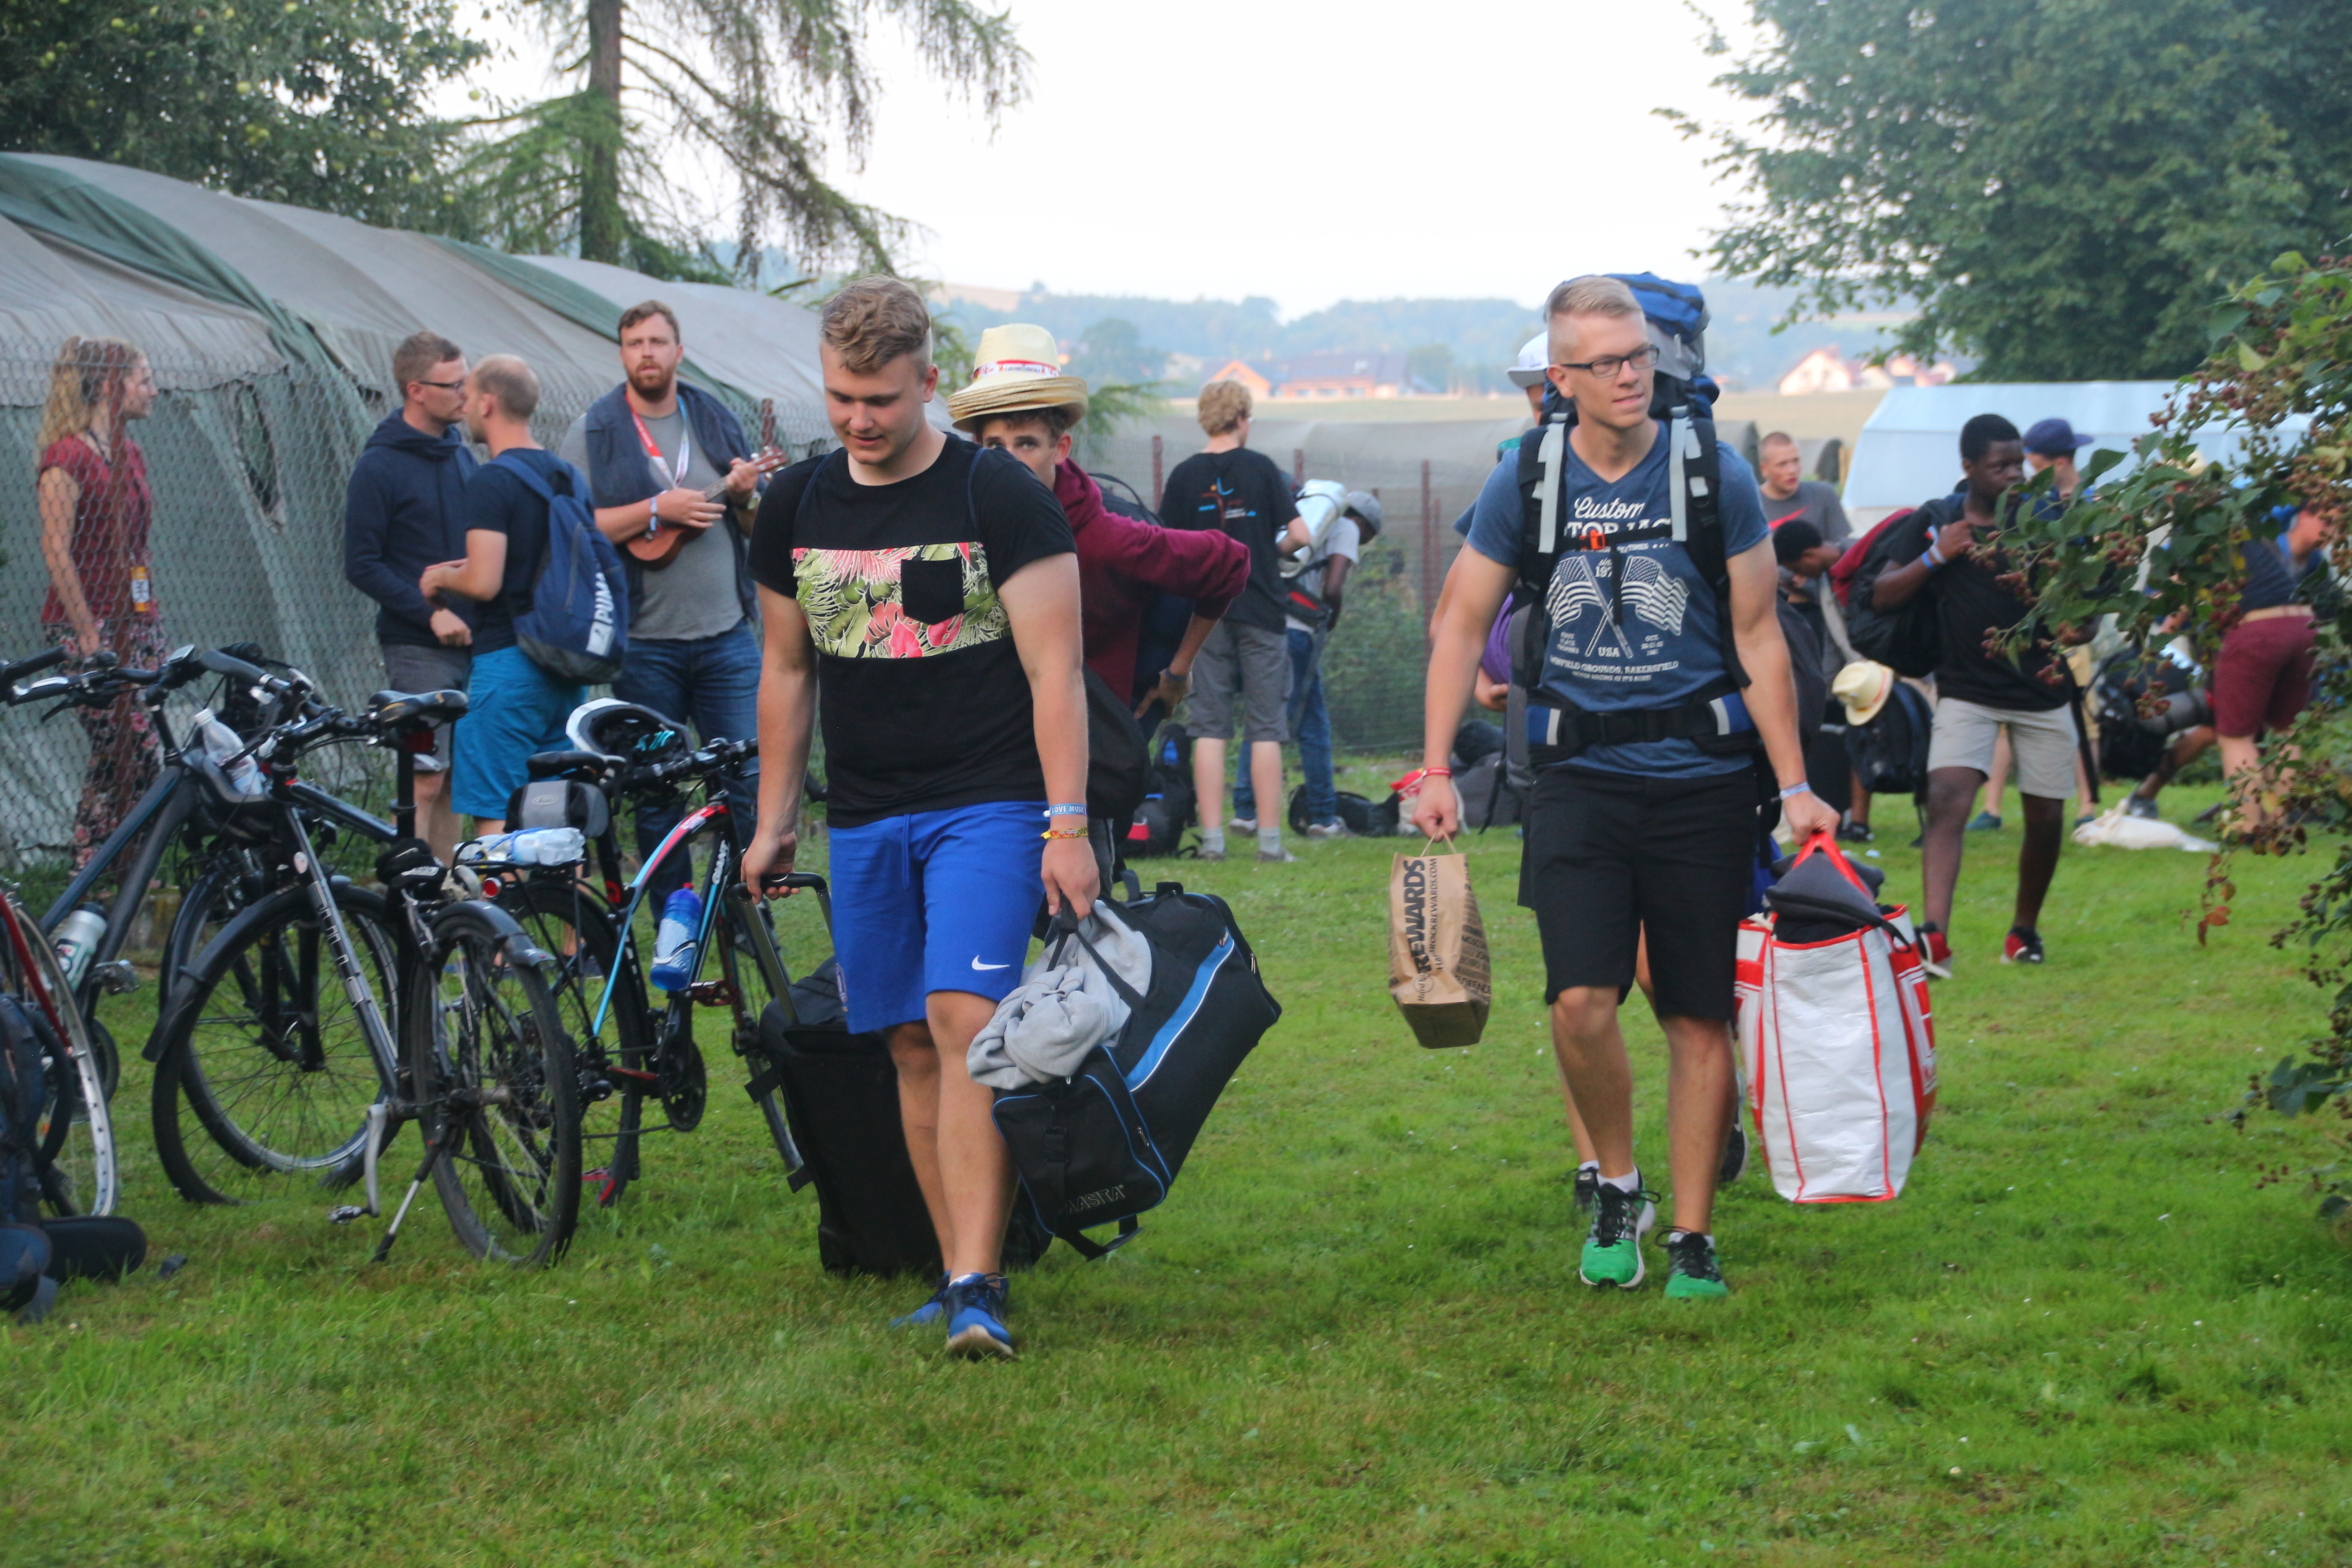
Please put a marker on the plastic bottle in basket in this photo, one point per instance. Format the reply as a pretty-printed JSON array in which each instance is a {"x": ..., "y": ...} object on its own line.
[{"x": 221, "y": 745}]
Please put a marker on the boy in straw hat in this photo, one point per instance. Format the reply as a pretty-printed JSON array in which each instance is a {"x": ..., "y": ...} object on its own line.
[{"x": 1021, "y": 403}]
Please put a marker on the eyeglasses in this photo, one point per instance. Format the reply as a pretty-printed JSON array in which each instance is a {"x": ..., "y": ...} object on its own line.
[
  {"x": 455, "y": 385},
  {"x": 1607, "y": 369}
]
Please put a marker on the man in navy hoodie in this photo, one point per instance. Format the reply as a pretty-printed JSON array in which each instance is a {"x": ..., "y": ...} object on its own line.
[{"x": 403, "y": 511}]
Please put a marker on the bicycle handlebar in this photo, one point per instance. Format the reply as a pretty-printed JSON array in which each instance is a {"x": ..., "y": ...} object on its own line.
[{"x": 47, "y": 658}]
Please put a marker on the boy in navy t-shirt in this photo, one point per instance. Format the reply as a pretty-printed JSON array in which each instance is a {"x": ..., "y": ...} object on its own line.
[
  {"x": 1652, "y": 835},
  {"x": 513, "y": 707}
]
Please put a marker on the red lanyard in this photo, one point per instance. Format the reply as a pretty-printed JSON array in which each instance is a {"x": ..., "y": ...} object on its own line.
[{"x": 685, "y": 448}]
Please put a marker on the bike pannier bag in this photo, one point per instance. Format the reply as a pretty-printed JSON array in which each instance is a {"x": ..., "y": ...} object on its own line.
[{"x": 1104, "y": 1144}]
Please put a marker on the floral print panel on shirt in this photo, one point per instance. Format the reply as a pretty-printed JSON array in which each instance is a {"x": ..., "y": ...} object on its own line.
[{"x": 908, "y": 602}]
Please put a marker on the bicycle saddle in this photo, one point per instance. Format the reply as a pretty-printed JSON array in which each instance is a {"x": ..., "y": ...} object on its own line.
[
  {"x": 628, "y": 732},
  {"x": 585, "y": 765},
  {"x": 391, "y": 709}
]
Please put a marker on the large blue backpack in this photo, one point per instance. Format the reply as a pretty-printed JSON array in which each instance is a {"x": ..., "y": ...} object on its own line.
[{"x": 576, "y": 625}]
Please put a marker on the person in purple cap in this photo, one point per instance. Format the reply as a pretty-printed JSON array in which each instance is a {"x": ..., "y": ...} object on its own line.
[{"x": 2051, "y": 444}]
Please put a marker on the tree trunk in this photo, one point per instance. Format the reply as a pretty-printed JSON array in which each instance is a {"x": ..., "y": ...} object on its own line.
[{"x": 601, "y": 224}]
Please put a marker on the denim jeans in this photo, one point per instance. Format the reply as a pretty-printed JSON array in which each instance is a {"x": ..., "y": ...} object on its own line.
[
  {"x": 713, "y": 684},
  {"x": 1310, "y": 726}
]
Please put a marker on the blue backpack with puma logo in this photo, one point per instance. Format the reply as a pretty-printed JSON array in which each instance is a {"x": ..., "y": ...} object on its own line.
[{"x": 576, "y": 623}]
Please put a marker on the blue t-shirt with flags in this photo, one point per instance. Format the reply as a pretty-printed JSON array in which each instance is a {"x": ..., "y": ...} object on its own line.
[{"x": 1661, "y": 647}]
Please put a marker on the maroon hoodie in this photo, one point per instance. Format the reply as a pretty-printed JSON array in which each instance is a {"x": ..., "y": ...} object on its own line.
[{"x": 1121, "y": 562}]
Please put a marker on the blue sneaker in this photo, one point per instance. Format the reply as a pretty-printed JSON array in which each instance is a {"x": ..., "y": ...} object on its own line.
[
  {"x": 930, "y": 1312},
  {"x": 976, "y": 1317}
]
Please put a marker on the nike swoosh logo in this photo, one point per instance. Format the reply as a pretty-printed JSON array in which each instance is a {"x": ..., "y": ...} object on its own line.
[{"x": 978, "y": 965}]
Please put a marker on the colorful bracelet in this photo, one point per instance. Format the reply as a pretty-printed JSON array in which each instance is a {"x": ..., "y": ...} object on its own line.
[
  {"x": 1062, "y": 833},
  {"x": 1934, "y": 556},
  {"x": 1412, "y": 781}
]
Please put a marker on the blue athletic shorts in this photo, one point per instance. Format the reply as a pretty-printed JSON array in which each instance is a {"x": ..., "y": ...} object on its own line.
[
  {"x": 513, "y": 708},
  {"x": 935, "y": 900}
]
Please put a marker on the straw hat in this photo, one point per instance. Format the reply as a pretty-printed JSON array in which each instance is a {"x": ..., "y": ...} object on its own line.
[
  {"x": 1863, "y": 688},
  {"x": 1017, "y": 368}
]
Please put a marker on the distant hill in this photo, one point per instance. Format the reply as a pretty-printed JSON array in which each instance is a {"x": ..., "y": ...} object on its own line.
[{"x": 1460, "y": 344}]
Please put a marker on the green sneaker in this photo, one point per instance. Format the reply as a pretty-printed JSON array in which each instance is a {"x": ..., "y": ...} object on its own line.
[
  {"x": 1691, "y": 1273},
  {"x": 1613, "y": 1253}
]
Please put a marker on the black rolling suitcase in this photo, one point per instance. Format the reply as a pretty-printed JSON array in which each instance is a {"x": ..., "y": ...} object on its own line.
[{"x": 841, "y": 1098}]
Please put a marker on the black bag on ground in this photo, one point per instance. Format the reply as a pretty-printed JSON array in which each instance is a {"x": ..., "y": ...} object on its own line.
[
  {"x": 1107, "y": 1144},
  {"x": 841, "y": 1098},
  {"x": 36, "y": 1253},
  {"x": 1909, "y": 641},
  {"x": 1357, "y": 814},
  {"x": 1890, "y": 752}
]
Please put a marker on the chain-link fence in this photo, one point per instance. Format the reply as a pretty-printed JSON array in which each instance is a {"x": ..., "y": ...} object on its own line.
[
  {"x": 1375, "y": 658},
  {"x": 247, "y": 464}
]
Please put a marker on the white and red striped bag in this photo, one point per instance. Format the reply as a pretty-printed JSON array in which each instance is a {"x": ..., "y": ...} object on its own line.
[{"x": 1839, "y": 1052}]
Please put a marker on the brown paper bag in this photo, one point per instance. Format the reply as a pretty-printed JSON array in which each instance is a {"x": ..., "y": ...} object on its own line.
[{"x": 1437, "y": 951}]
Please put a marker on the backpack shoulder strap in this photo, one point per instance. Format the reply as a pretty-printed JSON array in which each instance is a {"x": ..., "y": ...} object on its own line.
[
  {"x": 1695, "y": 492},
  {"x": 1543, "y": 464},
  {"x": 533, "y": 480}
]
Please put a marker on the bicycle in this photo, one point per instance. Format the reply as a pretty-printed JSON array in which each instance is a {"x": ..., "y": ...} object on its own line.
[
  {"x": 193, "y": 810},
  {"x": 479, "y": 1060},
  {"x": 74, "y": 1149},
  {"x": 631, "y": 1054}
]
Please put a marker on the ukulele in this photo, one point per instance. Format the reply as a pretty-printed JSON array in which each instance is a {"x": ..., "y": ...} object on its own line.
[{"x": 659, "y": 544}]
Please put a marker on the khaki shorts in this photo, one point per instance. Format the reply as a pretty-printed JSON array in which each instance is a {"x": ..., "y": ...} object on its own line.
[
  {"x": 1246, "y": 667},
  {"x": 2042, "y": 743}
]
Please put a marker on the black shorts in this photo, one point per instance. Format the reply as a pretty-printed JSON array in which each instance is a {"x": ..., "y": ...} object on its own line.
[{"x": 1611, "y": 855}]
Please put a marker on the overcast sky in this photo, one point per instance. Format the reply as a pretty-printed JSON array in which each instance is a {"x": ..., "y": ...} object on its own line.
[{"x": 1309, "y": 151}]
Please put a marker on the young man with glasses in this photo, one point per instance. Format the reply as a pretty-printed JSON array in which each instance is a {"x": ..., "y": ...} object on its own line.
[
  {"x": 1635, "y": 825},
  {"x": 404, "y": 510}
]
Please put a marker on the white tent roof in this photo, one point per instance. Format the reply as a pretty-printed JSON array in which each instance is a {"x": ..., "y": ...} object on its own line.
[{"x": 1910, "y": 449}]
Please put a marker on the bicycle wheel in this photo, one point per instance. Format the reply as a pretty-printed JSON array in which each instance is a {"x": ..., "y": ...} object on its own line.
[
  {"x": 75, "y": 1138},
  {"x": 615, "y": 1062},
  {"x": 267, "y": 1070},
  {"x": 498, "y": 1090},
  {"x": 742, "y": 957}
]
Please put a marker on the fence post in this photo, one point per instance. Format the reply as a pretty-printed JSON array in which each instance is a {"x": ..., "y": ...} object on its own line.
[
  {"x": 1298, "y": 465},
  {"x": 1429, "y": 556},
  {"x": 1156, "y": 483}
]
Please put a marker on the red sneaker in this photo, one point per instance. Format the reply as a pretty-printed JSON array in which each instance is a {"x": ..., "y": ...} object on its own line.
[
  {"x": 1935, "y": 953},
  {"x": 2022, "y": 946}
]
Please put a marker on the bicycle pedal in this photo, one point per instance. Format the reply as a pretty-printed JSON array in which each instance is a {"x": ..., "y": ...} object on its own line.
[
  {"x": 115, "y": 977},
  {"x": 343, "y": 1213},
  {"x": 710, "y": 994}
]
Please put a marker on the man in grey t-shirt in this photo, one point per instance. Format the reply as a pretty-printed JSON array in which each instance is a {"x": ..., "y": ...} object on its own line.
[
  {"x": 1780, "y": 470},
  {"x": 653, "y": 449}
]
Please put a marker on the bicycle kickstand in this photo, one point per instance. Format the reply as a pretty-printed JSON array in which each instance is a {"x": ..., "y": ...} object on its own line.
[{"x": 433, "y": 1148}]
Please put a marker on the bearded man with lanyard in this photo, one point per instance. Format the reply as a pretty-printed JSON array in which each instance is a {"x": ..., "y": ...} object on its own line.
[
  {"x": 1658, "y": 598},
  {"x": 652, "y": 448}
]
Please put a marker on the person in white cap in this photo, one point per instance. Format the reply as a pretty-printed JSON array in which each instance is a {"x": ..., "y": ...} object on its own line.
[
  {"x": 1019, "y": 401},
  {"x": 1529, "y": 370}
]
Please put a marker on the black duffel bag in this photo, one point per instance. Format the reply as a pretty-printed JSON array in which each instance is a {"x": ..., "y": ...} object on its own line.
[{"x": 1104, "y": 1144}]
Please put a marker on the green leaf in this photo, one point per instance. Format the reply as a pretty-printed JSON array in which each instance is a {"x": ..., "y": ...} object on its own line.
[{"x": 2248, "y": 359}]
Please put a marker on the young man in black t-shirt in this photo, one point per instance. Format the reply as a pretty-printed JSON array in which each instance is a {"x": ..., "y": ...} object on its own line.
[
  {"x": 1976, "y": 693},
  {"x": 513, "y": 707},
  {"x": 920, "y": 599},
  {"x": 1245, "y": 662}
]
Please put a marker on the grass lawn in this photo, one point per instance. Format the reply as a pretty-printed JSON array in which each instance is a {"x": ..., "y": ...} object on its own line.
[{"x": 1354, "y": 1334}]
